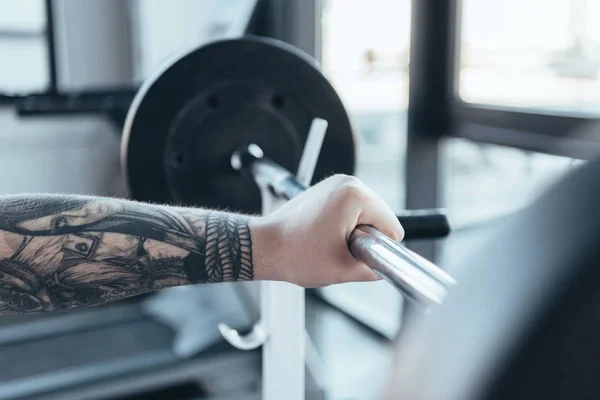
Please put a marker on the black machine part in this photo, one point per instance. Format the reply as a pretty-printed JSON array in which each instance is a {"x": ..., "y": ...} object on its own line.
[
  {"x": 525, "y": 322},
  {"x": 186, "y": 121}
]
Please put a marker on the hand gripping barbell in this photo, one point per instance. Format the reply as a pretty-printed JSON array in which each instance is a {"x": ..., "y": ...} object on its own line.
[
  {"x": 189, "y": 121},
  {"x": 417, "y": 278}
]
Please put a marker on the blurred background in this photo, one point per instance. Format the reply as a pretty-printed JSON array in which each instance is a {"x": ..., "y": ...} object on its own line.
[{"x": 520, "y": 85}]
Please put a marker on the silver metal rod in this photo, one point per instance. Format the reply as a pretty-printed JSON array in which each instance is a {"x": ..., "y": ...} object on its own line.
[{"x": 416, "y": 277}]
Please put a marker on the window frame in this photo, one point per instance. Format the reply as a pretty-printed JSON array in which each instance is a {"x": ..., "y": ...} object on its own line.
[
  {"x": 436, "y": 111},
  {"x": 47, "y": 33},
  {"x": 51, "y": 45},
  {"x": 545, "y": 131}
]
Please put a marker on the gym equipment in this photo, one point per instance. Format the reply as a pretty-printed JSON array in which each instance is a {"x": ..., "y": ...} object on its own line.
[
  {"x": 417, "y": 278},
  {"x": 185, "y": 122},
  {"x": 525, "y": 322},
  {"x": 188, "y": 121},
  {"x": 183, "y": 135},
  {"x": 169, "y": 346}
]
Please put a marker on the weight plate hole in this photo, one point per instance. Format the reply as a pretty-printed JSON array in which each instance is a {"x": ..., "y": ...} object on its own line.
[
  {"x": 212, "y": 102},
  {"x": 278, "y": 101},
  {"x": 178, "y": 160}
]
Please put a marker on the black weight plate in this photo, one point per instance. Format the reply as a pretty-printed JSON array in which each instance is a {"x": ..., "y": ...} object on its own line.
[{"x": 185, "y": 123}]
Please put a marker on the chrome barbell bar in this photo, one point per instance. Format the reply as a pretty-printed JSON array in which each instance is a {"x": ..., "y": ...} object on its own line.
[{"x": 414, "y": 276}]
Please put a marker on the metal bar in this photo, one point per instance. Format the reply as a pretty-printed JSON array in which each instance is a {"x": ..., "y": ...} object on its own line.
[
  {"x": 282, "y": 304},
  {"x": 297, "y": 22},
  {"x": 414, "y": 277},
  {"x": 19, "y": 34},
  {"x": 52, "y": 69},
  {"x": 79, "y": 102},
  {"x": 543, "y": 122},
  {"x": 417, "y": 278},
  {"x": 283, "y": 310},
  {"x": 431, "y": 92},
  {"x": 68, "y": 324},
  {"x": 424, "y": 224},
  {"x": 583, "y": 146},
  {"x": 312, "y": 149}
]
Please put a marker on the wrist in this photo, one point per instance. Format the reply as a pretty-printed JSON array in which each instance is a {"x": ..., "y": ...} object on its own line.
[{"x": 266, "y": 249}]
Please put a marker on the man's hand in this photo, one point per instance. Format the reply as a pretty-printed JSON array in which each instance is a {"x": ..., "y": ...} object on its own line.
[{"x": 305, "y": 242}]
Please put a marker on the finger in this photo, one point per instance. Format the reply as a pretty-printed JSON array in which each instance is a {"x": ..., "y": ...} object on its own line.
[
  {"x": 366, "y": 274},
  {"x": 355, "y": 270},
  {"x": 380, "y": 216}
]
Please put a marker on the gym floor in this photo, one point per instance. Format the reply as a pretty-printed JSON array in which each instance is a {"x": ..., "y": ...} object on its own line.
[{"x": 354, "y": 358}]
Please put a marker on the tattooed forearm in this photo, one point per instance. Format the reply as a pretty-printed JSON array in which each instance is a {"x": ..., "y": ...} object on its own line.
[{"x": 64, "y": 252}]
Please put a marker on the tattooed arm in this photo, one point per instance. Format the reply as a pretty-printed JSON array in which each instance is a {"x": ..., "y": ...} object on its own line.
[{"x": 64, "y": 252}]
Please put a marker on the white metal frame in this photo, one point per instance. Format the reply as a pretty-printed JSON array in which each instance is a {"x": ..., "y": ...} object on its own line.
[
  {"x": 297, "y": 22},
  {"x": 281, "y": 329},
  {"x": 282, "y": 304}
]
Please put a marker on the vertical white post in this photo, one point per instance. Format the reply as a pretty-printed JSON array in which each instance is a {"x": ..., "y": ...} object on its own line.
[
  {"x": 297, "y": 22},
  {"x": 282, "y": 304},
  {"x": 282, "y": 313},
  {"x": 282, "y": 308}
]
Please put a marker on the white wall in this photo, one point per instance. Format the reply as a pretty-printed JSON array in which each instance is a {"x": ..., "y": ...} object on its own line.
[{"x": 58, "y": 154}]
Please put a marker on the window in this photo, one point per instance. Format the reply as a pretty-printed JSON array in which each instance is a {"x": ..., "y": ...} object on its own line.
[
  {"x": 541, "y": 54},
  {"x": 483, "y": 182},
  {"x": 542, "y": 59},
  {"x": 365, "y": 56},
  {"x": 23, "y": 47}
]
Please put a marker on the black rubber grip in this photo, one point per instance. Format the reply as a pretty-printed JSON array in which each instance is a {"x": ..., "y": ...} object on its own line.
[
  {"x": 424, "y": 224},
  {"x": 74, "y": 103}
]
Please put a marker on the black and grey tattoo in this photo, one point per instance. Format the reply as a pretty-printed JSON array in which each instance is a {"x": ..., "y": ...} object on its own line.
[{"x": 64, "y": 252}]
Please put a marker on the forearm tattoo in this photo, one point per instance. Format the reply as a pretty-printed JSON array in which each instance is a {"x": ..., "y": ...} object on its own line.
[{"x": 65, "y": 252}]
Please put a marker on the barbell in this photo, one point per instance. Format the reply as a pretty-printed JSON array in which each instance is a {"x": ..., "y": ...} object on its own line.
[
  {"x": 416, "y": 277},
  {"x": 198, "y": 130}
]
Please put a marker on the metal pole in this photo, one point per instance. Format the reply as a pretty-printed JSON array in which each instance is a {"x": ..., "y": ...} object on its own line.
[
  {"x": 50, "y": 43},
  {"x": 431, "y": 93},
  {"x": 432, "y": 80},
  {"x": 298, "y": 23}
]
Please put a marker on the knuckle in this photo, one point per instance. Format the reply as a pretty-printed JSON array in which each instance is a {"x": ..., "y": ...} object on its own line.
[
  {"x": 353, "y": 195},
  {"x": 348, "y": 179},
  {"x": 340, "y": 180},
  {"x": 351, "y": 188}
]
